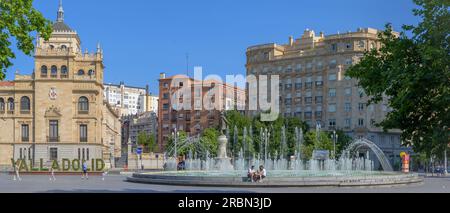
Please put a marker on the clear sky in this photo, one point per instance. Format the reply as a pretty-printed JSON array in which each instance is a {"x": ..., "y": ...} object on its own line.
[{"x": 142, "y": 38}]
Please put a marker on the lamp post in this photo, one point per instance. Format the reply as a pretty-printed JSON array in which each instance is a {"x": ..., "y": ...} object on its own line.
[
  {"x": 175, "y": 135},
  {"x": 445, "y": 162},
  {"x": 335, "y": 138}
]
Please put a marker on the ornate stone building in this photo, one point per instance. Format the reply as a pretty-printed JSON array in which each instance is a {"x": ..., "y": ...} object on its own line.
[
  {"x": 58, "y": 111},
  {"x": 313, "y": 85}
]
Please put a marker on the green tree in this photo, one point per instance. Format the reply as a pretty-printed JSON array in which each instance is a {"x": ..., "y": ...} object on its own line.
[
  {"x": 18, "y": 20},
  {"x": 209, "y": 140},
  {"x": 312, "y": 142},
  {"x": 413, "y": 72},
  {"x": 147, "y": 141}
]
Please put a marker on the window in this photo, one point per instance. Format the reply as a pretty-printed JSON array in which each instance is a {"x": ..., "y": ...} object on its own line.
[
  {"x": 361, "y": 44},
  {"x": 349, "y": 61},
  {"x": 2, "y": 105},
  {"x": 319, "y": 66},
  {"x": 53, "y": 134},
  {"x": 166, "y": 85},
  {"x": 25, "y": 104},
  {"x": 348, "y": 45},
  {"x": 361, "y": 107},
  {"x": 165, "y": 106},
  {"x": 332, "y": 77},
  {"x": 79, "y": 154},
  {"x": 64, "y": 71},
  {"x": 11, "y": 104},
  {"x": 332, "y": 108},
  {"x": 80, "y": 72},
  {"x": 44, "y": 71},
  {"x": 309, "y": 66},
  {"x": 332, "y": 92},
  {"x": 83, "y": 105},
  {"x": 25, "y": 133},
  {"x": 348, "y": 91},
  {"x": 308, "y": 115},
  {"x": 308, "y": 100},
  {"x": 348, "y": 123},
  {"x": 298, "y": 68},
  {"x": 54, "y": 71},
  {"x": 91, "y": 72},
  {"x": 348, "y": 107},
  {"x": 334, "y": 47},
  {"x": 83, "y": 133},
  {"x": 360, "y": 122},
  {"x": 87, "y": 154},
  {"x": 63, "y": 47},
  {"x": 319, "y": 99},
  {"x": 53, "y": 154},
  {"x": 332, "y": 123},
  {"x": 333, "y": 64},
  {"x": 166, "y": 96},
  {"x": 52, "y": 47}
]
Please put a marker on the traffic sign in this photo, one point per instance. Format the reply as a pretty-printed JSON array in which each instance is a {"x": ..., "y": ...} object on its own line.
[{"x": 139, "y": 150}]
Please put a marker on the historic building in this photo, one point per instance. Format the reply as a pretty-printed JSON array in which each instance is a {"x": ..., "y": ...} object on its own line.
[
  {"x": 199, "y": 116},
  {"x": 58, "y": 111},
  {"x": 314, "y": 88}
]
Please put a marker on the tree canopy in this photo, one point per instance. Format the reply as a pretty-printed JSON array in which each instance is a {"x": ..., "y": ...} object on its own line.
[
  {"x": 412, "y": 73},
  {"x": 18, "y": 20}
]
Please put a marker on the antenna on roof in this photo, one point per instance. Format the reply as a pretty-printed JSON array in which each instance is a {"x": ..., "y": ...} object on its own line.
[{"x": 187, "y": 64}]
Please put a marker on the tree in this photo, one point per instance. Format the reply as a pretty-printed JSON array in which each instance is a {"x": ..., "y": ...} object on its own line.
[
  {"x": 413, "y": 73},
  {"x": 312, "y": 142},
  {"x": 18, "y": 20},
  {"x": 209, "y": 140},
  {"x": 148, "y": 141}
]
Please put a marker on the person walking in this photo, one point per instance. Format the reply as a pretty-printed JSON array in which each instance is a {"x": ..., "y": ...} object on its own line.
[
  {"x": 85, "y": 173},
  {"x": 52, "y": 174},
  {"x": 16, "y": 171}
]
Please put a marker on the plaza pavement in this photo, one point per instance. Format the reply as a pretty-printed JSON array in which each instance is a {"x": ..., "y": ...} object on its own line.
[{"x": 117, "y": 184}]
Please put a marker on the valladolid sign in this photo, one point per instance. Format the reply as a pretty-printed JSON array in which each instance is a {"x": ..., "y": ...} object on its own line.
[{"x": 66, "y": 165}]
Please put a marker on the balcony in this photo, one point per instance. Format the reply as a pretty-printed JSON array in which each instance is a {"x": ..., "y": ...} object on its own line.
[
  {"x": 53, "y": 139},
  {"x": 25, "y": 139},
  {"x": 25, "y": 112},
  {"x": 44, "y": 75},
  {"x": 53, "y": 76},
  {"x": 63, "y": 76},
  {"x": 83, "y": 112},
  {"x": 83, "y": 140},
  {"x": 10, "y": 112}
]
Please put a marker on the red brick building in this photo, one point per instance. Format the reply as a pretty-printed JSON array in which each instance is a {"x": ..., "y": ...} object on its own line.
[{"x": 198, "y": 116}]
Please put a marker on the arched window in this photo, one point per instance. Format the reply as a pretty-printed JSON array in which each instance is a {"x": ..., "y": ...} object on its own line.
[
  {"x": 25, "y": 104},
  {"x": 91, "y": 72},
  {"x": 54, "y": 71},
  {"x": 52, "y": 47},
  {"x": 44, "y": 70},
  {"x": 83, "y": 104},
  {"x": 2, "y": 105},
  {"x": 63, "y": 47},
  {"x": 80, "y": 72},
  {"x": 64, "y": 71},
  {"x": 11, "y": 104}
]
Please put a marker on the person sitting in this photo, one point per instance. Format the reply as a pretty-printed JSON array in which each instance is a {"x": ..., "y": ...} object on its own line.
[
  {"x": 251, "y": 174},
  {"x": 261, "y": 174}
]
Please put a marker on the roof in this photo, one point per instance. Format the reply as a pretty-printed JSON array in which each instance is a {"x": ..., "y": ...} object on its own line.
[
  {"x": 6, "y": 84},
  {"x": 61, "y": 27}
]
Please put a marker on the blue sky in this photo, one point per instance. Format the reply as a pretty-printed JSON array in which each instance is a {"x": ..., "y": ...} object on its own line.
[{"x": 142, "y": 38}]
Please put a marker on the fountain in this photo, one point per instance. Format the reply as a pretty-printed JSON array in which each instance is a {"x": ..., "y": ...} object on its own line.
[{"x": 283, "y": 170}]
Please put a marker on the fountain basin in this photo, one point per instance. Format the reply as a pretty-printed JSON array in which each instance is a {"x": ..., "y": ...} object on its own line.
[{"x": 280, "y": 178}]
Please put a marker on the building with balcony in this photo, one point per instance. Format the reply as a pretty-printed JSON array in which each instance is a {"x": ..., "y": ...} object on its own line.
[
  {"x": 195, "y": 115},
  {"x": 58, "y": 111},
  {"x": 313, "y": 85}
]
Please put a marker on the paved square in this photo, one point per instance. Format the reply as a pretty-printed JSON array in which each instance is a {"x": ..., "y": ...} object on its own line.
[{"x": 117, "y": 184}]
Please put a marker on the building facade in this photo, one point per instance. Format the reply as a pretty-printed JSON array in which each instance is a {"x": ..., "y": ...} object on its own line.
[
  {"x": 199, "y": 116},
  {"x": 128, "y": 100},
  {"x": 313, "y": 85},
  {"x": 146, "y": 122},
  {"x": 58, "y": 111}
]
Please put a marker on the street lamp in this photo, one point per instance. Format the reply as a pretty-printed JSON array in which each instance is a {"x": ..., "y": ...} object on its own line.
[
  {"x": 175, "y": 135},
  {"x": 335, "y": 138}
]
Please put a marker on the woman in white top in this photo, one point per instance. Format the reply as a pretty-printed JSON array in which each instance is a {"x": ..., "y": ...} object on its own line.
[{"x": 251, "y": 173}]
